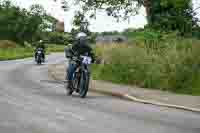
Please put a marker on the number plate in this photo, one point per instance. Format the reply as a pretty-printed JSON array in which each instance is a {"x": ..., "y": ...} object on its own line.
[{"x": 86, "y": 60}]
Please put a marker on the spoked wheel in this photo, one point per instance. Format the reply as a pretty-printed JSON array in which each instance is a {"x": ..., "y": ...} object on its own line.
[
  {"x": 39, "y": 61},
  {"x": 84, "y": 84}
]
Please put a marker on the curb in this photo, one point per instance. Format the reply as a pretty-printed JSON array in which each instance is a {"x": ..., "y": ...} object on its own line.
[{"x": 132, "y": 98}]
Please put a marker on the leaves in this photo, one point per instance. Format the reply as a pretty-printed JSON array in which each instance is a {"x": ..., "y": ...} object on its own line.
[
  {"x": 20, "y": 24},
  {"x": 80, "y": 22},
  {"x": 161, "y": 14}
]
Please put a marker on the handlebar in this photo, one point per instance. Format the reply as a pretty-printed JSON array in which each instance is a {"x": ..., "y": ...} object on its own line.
[{"x": 76, "y": 59}]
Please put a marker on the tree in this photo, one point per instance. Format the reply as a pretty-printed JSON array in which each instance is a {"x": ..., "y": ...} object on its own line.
[
  {"x": 172, "y": 15},
  {"x": 161, "y": 14},
  {"x": 12, "y": 21},
  {"x": 19, "y": 25},
  {"x": 80, "y": 21},
  {"x": 116, "y": 8},
  {"x": 37, "y": 10}
]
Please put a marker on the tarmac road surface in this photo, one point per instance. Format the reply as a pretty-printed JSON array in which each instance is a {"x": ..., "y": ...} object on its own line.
[{"x": 30, "y": 106}]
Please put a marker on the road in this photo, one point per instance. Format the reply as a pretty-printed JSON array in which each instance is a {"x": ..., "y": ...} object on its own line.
[{"x": 30, "y": 106}]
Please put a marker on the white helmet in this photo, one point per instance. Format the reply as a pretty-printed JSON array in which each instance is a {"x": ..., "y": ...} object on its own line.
[{"x": 81, "y": 34}]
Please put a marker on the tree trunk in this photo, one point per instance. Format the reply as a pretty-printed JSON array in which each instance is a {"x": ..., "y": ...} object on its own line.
[{"x": 148, "y": 7}]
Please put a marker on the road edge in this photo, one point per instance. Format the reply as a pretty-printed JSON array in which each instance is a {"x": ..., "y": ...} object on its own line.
[{"x": 131, "y": 98}]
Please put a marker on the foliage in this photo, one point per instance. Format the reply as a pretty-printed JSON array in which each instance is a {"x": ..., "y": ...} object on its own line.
[
  {"x": 110, "y": 33},
  {"x": 11, "y": 53},
  {"x": 167, "y": 15},
  {"x": 80, "y": 22},
  {"x": 15, "y": 53},
  {"x": 55, "y": 48},
  {"x": 7, "y": 44},
  {"x": 169, "y": 64},
  {"x": 19, "y": 25},
  {"x": 172, "y": 15},
  {"x": 57, "y": 38},
  {"x": 116, "y": 8}
]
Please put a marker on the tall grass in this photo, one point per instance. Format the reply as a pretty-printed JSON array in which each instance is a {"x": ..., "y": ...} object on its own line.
[
  {"x": 55, "y": 48},
  {"x": 15, "y": 53},
  {"x": 7, "y": 44},
  {"x": 10, "y": 50},
  {"x": 172, "y": 65}
]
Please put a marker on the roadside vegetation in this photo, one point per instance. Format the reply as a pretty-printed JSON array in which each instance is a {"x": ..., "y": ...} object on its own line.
[
  {"x": 55, "y": 48},
  {"x": 162, "y": 55},
  {"x": 165, "y": 54},
  {"x": 10, "y": 50},
  {"x": 150, "y": 60},
  {"x": 21, "y": 29}
]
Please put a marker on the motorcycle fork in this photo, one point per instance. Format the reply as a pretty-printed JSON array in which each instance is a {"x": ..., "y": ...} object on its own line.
[{"x": 77, "y": 79}]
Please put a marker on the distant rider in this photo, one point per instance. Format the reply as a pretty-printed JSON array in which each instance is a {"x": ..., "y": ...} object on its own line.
[{"x": 40, "y": 46}]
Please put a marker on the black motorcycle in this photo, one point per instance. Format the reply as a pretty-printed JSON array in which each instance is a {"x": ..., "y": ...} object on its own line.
[
  {"x": 81, "y": 77},
  {"x": 39, "y": 57}
]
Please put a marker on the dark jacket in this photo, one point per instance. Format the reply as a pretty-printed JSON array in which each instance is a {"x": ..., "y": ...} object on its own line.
[{"x": 80, "y": 47}]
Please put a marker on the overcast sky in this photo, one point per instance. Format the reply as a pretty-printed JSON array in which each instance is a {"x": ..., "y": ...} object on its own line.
[{"x": 102, "y": 22}]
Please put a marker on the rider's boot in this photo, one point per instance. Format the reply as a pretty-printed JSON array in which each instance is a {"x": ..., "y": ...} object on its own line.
[
  {"x": 69, "y": 88},
  {"x": 69, "y": 85},
  {"x": 77, "y": 90}
]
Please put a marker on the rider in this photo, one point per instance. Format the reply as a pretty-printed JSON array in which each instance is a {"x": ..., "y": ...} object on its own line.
[
  {"x": 40, "y": 46},
  {"x": 80, "y": 46}
]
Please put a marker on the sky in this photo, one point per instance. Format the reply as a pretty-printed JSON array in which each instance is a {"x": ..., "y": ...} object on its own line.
[{"x": 102, "y": 22}]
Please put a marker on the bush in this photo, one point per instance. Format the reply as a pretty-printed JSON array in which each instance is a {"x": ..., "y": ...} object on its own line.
[
  {"x": 15, "y": 53},
  {"x": 10, "y": 50},
  {"x": 58, "y": 38},
  {"x": 55, "y": 48},
  {"x": 174, "y": 68},
  {"x": 7, "y": 44}
]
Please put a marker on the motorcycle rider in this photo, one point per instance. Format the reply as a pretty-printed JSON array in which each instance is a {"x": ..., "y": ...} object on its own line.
[
  {"x": 80, "y": 46},
  {"x": 40, "y": 46}
]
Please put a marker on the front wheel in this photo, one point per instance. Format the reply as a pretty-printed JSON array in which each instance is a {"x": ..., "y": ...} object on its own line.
[
  {"x": 84, "y": 84},
  {"x": 38, "y": 60}
]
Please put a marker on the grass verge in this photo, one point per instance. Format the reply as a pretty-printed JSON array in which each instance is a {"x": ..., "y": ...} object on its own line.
[
  {"x": 15, "y": 53},
  {"x": 55, "y": 48},
  {"x": 172, "y": 65},
  {"x": 24, "y": 52}
]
